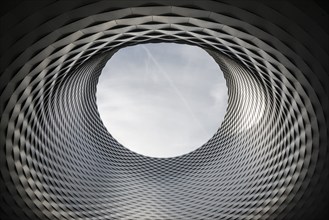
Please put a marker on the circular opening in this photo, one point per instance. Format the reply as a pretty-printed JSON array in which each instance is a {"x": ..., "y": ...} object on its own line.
[{"x": 162, "y": 100}]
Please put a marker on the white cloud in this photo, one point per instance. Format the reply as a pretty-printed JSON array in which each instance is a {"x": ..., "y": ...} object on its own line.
[{"x": 162, "y": 100}]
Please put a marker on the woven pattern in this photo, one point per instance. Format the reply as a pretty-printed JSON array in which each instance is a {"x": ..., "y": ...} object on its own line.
[{"x": 268, "y": 160}]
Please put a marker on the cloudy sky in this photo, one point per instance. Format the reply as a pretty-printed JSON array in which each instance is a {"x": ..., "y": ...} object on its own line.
[{"x": 162, "y": 100}]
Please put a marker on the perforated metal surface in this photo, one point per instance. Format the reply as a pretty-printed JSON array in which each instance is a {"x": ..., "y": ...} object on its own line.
[{"x": 268, "y": 160}]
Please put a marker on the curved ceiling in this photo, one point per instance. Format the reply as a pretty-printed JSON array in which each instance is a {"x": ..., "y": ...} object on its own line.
[{"x": 268, "y": 160}]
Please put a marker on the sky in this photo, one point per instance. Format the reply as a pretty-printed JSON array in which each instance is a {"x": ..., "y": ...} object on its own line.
[{"x": 163, "y": 99}]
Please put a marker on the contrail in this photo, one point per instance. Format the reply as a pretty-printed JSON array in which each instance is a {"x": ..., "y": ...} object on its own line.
[{"x": 181, "y": 97}]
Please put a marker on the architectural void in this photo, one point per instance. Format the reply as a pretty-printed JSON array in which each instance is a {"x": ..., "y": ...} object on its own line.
[
  {"x": 162, "y": 100},
  {"x": 267, "y": 160}
]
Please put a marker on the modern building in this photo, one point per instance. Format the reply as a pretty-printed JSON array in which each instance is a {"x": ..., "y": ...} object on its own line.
[{"x": 268, "y": 160}]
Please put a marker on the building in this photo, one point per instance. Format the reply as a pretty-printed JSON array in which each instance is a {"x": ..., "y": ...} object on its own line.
[{"x": 269, "y": 159}]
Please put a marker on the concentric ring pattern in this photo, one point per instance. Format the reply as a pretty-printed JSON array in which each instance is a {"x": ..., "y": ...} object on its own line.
[{"x": 268, "y": 160}]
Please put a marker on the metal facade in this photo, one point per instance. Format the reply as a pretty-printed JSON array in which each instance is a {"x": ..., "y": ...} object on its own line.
[{"x": 268, "y": 160}]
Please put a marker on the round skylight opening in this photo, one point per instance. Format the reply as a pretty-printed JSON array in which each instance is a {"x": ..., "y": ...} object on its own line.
[{"x": 162, "y": 100}]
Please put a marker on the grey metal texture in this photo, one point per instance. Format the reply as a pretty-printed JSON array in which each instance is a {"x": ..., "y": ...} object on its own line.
[{"x": 268, "y": 160}]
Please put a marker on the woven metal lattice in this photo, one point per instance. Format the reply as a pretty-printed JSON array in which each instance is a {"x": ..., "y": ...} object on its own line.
[{"x": 268, "y": 160}]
